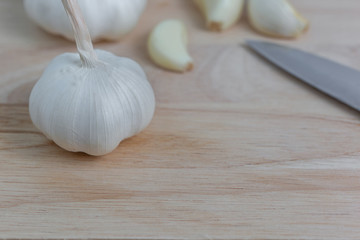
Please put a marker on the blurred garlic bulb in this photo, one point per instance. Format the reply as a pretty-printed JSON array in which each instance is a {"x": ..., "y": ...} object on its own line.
[
  {"x": 276, "y": 18},
  {"x": 107, "y": 19},
  {"x": 220, "y": 14},
  {"x": 89, "y": 102}
]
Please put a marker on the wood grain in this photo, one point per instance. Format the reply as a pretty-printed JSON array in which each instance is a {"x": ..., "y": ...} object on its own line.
[{"x": 237, "y": 148}]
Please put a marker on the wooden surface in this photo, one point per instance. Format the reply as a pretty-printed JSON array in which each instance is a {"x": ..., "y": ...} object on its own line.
[{"x": 237, "y": 149}]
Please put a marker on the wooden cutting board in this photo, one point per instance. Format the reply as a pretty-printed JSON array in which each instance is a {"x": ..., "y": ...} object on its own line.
[{"x": 237, "y": 148}]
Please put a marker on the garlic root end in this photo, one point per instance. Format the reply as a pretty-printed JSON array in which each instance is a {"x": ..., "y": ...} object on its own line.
[{"x": 215, "y": 26}]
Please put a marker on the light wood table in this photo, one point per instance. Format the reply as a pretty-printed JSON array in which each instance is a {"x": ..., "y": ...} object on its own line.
[{"x": 237, "y": 148}]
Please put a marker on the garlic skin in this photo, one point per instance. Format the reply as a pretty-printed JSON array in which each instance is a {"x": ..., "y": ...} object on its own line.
[
  {"x": 220, "y": 14},
  {"x": 276, "y": 18},
  {"x": 167, "y": 46},
  {"x": 107, "y": 19},
  {"x": 91, "y": 101}
]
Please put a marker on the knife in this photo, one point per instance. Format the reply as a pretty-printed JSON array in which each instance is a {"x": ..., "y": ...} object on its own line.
[{"x": 331, "y": 78}]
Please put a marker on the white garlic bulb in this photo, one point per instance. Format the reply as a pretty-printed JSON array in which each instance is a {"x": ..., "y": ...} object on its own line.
[
  {"x": 107, "y": 19},
  {"x": 89, "y": 102},
  {"x": 276, "y": 18},
  {"x": 220, "y": 14}
]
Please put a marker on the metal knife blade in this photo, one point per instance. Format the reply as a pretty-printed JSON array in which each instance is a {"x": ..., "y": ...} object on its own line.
[{"x": 334, "y": 79}]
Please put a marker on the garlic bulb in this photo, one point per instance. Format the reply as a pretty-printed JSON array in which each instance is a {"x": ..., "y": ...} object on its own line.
[
  {"x": 167, "y": 46},
  {"x": 107, "y": 19},
  {"x": 276, "y": 18},
  {"x": 220, "y": 14},
  {"x": 89, "y": 102}
]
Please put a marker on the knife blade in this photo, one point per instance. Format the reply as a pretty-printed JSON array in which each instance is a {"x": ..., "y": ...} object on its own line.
[{"x": 336, "y": 80}]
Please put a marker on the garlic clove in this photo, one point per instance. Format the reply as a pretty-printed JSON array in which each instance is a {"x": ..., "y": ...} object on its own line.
[
  {"x": 220, "y": 14},
  {"x": 167, "y": 46},
  {"x": 277, "y": 18}
]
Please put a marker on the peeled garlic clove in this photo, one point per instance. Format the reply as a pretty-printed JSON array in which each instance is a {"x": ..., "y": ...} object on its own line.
[
  {"x": 276, "y": 18},
  {"x": 220, "y": 14},
  {"x": 91, "y": 101},
  {"x": 167, "y": 46}
]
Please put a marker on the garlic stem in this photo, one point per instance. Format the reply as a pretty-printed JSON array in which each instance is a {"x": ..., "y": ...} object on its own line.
[{"x": 81, "y": 33}]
